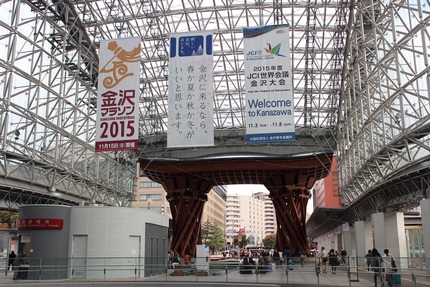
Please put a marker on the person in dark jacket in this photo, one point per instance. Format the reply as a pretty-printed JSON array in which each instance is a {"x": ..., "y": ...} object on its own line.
[
  {"x": 17, "y": 263},
  {"x": 12, "y": 257},
  {"x": 377, "y": 267},
  {"x": 333, "y": 260},
  {"x": 287, "y": 255},
  {"x": 276, "y": 257},
  {"x": 368, "y": 257}
]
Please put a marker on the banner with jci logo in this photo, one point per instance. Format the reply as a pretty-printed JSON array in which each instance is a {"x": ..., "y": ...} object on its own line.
[{"x": 268, "y": 85}]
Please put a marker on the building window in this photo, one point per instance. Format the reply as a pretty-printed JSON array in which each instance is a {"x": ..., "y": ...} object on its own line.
[
  {"x": 152, "y": 196},
  {"x": 144, "y": 184}
]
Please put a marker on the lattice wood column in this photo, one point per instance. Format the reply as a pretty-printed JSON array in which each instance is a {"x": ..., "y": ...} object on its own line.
[
  {"x": 290, "y": 209},
  {"x": 186, "y": 197}
]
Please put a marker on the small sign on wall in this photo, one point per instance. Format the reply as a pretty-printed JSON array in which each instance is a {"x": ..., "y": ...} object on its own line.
[{"x": 40, "y": 223}]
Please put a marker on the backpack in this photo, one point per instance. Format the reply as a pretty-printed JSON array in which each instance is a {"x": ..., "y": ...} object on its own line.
[{"x": 393, "y": 264}]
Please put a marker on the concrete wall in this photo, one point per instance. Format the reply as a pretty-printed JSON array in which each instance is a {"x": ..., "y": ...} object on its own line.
[
  {"x": 118, "y": 232},
  {"x": 95, "y": 241},
  {"x": 155, "y": 249},
  {"x": 48, "y": 248}
]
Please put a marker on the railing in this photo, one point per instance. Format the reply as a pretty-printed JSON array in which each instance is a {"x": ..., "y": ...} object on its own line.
[{"x": 228, "y": 270}]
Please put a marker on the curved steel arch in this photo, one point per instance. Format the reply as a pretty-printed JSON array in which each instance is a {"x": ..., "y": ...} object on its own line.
[
  {"x": 360, "y": 88},
  {"x": 48, "y": 73},
  {"x": 385, "y": 101}
]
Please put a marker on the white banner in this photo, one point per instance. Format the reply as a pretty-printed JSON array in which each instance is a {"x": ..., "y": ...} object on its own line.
[
  {"x": 190, "y": 116},
  {"x": 118, "y": 95},
  {"x": 268, "y": 85}
]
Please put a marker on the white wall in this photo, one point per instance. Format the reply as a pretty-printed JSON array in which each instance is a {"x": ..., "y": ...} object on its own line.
[{"x": 108, "y": 231}]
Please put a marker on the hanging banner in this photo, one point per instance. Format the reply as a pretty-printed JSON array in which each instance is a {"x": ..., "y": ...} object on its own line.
[
  {"x": 268, "y": 85},
  {"x": 118, "y": 95},
  {"x": 190, "y": 117}
]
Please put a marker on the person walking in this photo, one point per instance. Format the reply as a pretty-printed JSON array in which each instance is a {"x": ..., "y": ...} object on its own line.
[
  {"x": 386, "y": 264},
  {"x": 368, "y": 257},
  {"x": 333, "y": 260},
  {"x": 276, "y": 258},
  {"x": 302, "y": 258},
  {"x": 377, "y": 267},
  {"x": 12, "y": 257},
  {"x": 287, "y": 254},
  {"x": 324, "y": 259},
  {"x": 17, "y": 266},
  {"x": 343, "y": 254}
]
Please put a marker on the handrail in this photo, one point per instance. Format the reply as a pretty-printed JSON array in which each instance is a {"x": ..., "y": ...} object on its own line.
[{"x": 219, "y": 270}]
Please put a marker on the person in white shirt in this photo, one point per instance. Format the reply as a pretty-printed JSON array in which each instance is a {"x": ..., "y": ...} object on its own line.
[
  {"x": 386, "y": 265},
  {"x": 324, "y": 259}
]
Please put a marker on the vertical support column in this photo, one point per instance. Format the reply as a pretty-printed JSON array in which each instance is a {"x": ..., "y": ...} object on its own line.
[
  {"x": 378, "y": 222},
  {"x": 186, "y": 196},
  {"x": 368, "y": 230},
  {"x": 348, "y": 242},
  {"x": 360, "y": 239},
  {"x": 290, "y": 209},
  {"x": 425, "y": 219},
  {"x": 396, "y": 237}
]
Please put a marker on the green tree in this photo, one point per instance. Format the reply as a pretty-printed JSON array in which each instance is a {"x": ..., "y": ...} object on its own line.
[
  {"x": 269, "y": 241},
  {"x": 8, "y": 218},
  {"x": 206, "y": 231},
  {"x": 216, "y": 241}
]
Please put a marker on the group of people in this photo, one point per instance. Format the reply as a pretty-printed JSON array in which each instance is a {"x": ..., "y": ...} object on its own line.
[
  {"x": 263, "y": 257},
  {"x": 382, "y": 266},
  {"x": 332, "y": 258},
  {"x": 287, "y": 255}
]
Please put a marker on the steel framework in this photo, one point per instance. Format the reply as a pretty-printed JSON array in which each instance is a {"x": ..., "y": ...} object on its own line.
[
  {"x": 48, "y": 73},
  {"x": 383, "y": 139},
  {"x": 360, "y": 76}
]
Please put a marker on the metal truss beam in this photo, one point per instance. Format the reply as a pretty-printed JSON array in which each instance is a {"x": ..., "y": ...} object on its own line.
[{"x": 384, "y": 124}]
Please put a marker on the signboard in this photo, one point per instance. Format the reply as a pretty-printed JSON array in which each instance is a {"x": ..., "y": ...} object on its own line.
[
  {"x": 268, "y": 85},
  {"x": 190, "y": 103},
  {"x": 117, "y": 126},
  {"x": 40, "y": 223}
]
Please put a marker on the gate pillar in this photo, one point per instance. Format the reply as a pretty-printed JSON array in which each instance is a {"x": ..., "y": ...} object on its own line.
[
  {"x": 290, "y": 209},
  {"x": 187, "y": 196}
]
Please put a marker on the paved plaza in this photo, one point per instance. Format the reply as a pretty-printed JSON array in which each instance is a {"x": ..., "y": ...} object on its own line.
[{"x": 278, "y": 277}]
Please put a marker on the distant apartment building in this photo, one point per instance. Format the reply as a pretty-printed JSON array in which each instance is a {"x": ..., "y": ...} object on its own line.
[
  {"x": 252, "y": 215},
  {"x": 152, "y": 195},
  {"x": 269, "y": 216},
  {"x": 215, "y": 207},
  {"x": 326, "y": 190}
]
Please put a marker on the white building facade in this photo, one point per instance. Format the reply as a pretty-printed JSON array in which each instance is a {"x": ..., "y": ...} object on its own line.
[{"x": 252, "y": 215}]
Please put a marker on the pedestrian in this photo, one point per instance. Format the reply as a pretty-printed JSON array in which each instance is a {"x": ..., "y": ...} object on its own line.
[
  {"x": 343, "y": 254},
  {"x": 324, "y": 259},
  {"x": 377, "y": 267},
  {"x": 17, "y": 263},
  {"x": 287, "y": 254},
  {"x": 275, "y": 257},
  {"x": 368, "y": 257},
  {"x": 386, "y": 264},
  {"x": 302, "y": 258},
  {"x": 333, "y": 260},
  {"x": 12, "y": 257}
]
